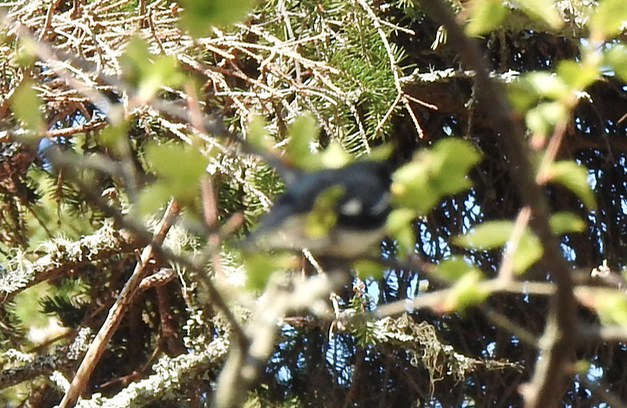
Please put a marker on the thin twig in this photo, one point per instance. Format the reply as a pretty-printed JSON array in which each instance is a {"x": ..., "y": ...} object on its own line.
[
  {"x": 548, "y": 384},
  {"x": 117, "y": 311}
]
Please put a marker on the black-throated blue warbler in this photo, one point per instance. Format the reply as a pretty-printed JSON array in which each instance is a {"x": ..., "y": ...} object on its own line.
[{"x": 332, "y": 212}]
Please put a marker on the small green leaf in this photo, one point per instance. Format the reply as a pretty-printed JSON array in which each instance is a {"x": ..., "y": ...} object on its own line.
[
  {"x": 148, "y": 72},
  {"x": 543, "y": 10},
  {"x": 322, "y": 217},
  {"x": 611, "y": 306},
  {"x": 27, "y": 52},
  {"x": 488, "y": 235},
  {"x": 615, "y": 56},
  {"x": 543, "y": 117},
  {"x": 365, "y": 269},
  {"x": 495, "y": 234},
  {"x": 302, "y": 133},
  {"x": 179, "y": 166},
  {"x": 153, "y": 197},
  {"x": 565, "y": 222},
  {"x": 466, "y": 292},
  {"x": 609, "y": 19},
  {"x": 334, "y": 156},
  {"x": 457, "y": 158},
  {"x": 26, "y": 105},
  {"x": 198, "y": 16},
  {"x": 412, "y": 187},
  {"x": 575, "y": 75},
  {"x": 575, "y": 178},
  {"x": 522, "y": 95},
  {"x": 257, "y": 134},
  {"x": 528, "y": 252},
  {"x": 546, "y": 84},
  {"x": 433, "y": 174},
  {"x": 114, "y": 137},
  {"x": 260, "y": 266},
  {"x": 453, "y": 269},
  {"x": 485, "y": 16},
  {"x": 399, "y": 226}
]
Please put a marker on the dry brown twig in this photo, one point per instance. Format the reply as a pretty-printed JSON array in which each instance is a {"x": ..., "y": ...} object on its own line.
[{"x": 116, "y": 313}]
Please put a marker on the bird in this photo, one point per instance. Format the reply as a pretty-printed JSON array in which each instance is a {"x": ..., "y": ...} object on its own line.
[{"x": 336, "y": 212}]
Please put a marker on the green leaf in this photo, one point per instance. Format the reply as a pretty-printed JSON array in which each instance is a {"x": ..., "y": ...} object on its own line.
[
  {"x": 114, "y": 137},
  {"x": 365, "y": 269},
  {"x": 179, "y": 167},
  {"x": 148, "y": 72},
  {"x": 302, "y": 134},
  {"x": 495, "y": 234},
  {"x": 611, "y": 306},
  {"x": 528, "y": 252},
  {"x": 26, "y": 106},
  {"x": 257, "y": 134},
  {"x": 334, "y": 156},
  {"x": 457, "y": 158},
  {"x": 543, "y": 117},
  {"x": 260, "y": 266},
  {"x": 609, "y": 19},
  {"x": 466, "y": 292},
  {"x": 488, "y": 235},
  {"x": 399, "y": 226},
  {"x": 153, "y": 197},
  {"x": 565, "y": 222},
  {"x": 453, "y": 269},
  {"x": 433, "y": 174},
  {"x": 543, "y": 10},
  {"x": 575, "y": 178},
  {"x": 485, "y": 16},
  {"x": 198, "y": 16},
  {"x": 615, "y": 56},
  {"x": 322, "y": 217},
  {"x": 546, "y": 84},
  {"x": 575, "y": 75}
]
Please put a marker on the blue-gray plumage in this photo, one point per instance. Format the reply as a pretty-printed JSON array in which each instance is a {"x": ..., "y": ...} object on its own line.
[{"x": 360, "y": 202}]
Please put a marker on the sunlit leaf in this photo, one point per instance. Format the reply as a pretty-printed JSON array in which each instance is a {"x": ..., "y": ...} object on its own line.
[
  {"x": 399, "y": 226},
  {"x": 565, "y": 222},
  {"x": 257, "y": 134},
  {"x": 611, "y": 306},
  {"x": 302, "y": 134},
  {"x": 485, "y": 16},
  {"x": 153, "y": 197},
  {"x": 114, "y": 137},
  {"x": 543, "y": 117},
  {"x": 609, "y": 19},
  {"x": 322, "y": 217},
  {"x": 466, "y": 292},
  {"x": 260, "y": 266},
  {"x": 368, "y": 269},
  {"x": 543, "y": 10},
  {"x": 26, "y": 105},
  {"x": 574, "y": 177},
  {"x": 615, "y": 57},
  {"x": 546, "y": 84},
  {"x": 198, "y": 16},
  {"x": 179, "y": 166},
  {"x": 457, "y": 158},
  {"x": 334, "y": 156},
  {"x": 453, "y": 269},
  {"x": 528, "y": 252},
  {"x": 488, "y": 235},
  {"x": 433, "y": 174},
  {"x": 575, "y": 75},
  {"x": 148, "y": 72}
]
